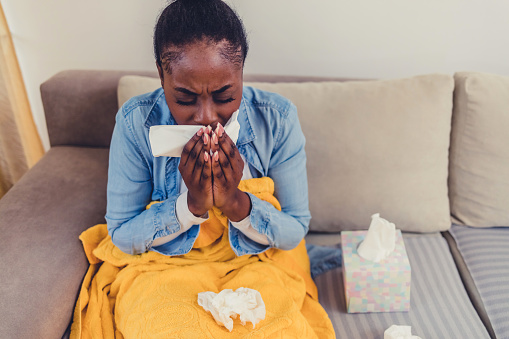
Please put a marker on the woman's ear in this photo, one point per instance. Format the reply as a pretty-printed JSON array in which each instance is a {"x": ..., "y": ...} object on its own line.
[{"x": 161, "y": 73}]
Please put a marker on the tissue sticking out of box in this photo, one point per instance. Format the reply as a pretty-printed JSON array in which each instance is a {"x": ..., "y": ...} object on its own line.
[
  {"x": 379, "y": 241},
  {"x": 399, "y": 332},
  {"x": 227, "y": 304}
]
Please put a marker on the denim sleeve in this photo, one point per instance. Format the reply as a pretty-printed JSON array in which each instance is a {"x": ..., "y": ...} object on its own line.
[
  {"x": 286, "y": 228},
  {"x": 131, "y": 226}
]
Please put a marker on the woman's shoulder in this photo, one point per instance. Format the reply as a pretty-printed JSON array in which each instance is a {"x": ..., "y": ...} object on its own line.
[{"x": 260, "y": 99}]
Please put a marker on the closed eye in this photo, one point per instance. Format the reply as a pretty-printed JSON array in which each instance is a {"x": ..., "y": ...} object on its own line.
[
  {"x": 186, "y": 103},
  {"x": 225, "y": 101}
]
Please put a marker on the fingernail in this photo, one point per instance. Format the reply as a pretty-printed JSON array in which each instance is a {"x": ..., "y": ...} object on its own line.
[
  {"x": 206, "y": 156},
  {"x": 216, "y": 156},
  {"x": 205, "y": 139},
  {"x": 221, "y": 129},
  {"x": 200, "y": 132},
  {"x": 214, "y": 138},
  {"x": 209, "y": 129}
]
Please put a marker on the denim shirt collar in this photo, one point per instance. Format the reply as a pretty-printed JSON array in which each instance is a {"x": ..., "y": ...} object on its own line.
[
  {"x": 247, "y": 135},
  {"x": 159, "y": 114}
]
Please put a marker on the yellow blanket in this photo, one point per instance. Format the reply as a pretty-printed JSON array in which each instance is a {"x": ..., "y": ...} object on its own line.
[{"x": 151, "y": 295}]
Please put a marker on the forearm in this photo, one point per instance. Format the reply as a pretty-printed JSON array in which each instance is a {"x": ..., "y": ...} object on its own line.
[
  {"x": 284, "y": 229},
  {"x": 136, "y": 234},
  {"x": 185, "y": 218},
  {"x": 247, "y": 229}
]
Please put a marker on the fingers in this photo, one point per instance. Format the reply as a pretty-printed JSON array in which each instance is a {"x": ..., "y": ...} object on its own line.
[
  {"x": 193, "y": 160},
  {"x": 211, "y": 153},
  {"x": 203, "y": 166},
  {"x": 206, "y": 173},
  {"x": 224, "y": 143},
  {"x": 220, "y": 173},
  {"x": 188, "y": 148},
  {"x": 197, "y": 154}
]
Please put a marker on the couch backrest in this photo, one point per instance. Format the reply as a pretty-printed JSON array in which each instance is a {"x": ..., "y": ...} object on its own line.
[
  {"x": 372, "y": 146},
  {"x": 378, "y": 146},
  {"x": 479, "y": 161},
  {"x": 80, "y": 106}
]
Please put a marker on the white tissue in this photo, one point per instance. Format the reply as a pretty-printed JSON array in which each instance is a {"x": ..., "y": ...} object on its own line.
[
  {"x": 244, "y": 302},
  {"x": 379, "y": 241},
  {"x": 399, "y": 332},
  {"x": 169, "y": 140}
]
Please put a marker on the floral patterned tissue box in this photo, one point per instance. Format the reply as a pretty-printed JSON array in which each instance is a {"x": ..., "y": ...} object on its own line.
[{"x": 372, "y": 286}]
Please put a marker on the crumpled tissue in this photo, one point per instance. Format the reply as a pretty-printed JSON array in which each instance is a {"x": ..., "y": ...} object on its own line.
[
  {"x": 227, "y": 304},
  {"x": 169, "y": 140},
  {"x": 399, "y": 332},
  {"x": 380, "y": 240}
]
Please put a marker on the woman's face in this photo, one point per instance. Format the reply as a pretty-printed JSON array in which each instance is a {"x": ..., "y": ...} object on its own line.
[{"x": 201, "y": 86}]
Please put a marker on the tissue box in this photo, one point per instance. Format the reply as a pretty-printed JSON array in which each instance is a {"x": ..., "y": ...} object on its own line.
[{"x": 371, "y": 286}]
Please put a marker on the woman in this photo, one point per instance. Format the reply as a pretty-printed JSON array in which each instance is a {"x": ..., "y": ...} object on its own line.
[{"x": 200, "y": 48}]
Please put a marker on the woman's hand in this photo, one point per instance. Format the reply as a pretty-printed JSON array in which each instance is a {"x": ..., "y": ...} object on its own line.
[
  {"x": 227, "y": 169},
  {"x": 196, "y": 170}
]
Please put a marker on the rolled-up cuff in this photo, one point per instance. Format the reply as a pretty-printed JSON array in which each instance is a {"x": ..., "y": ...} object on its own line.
[
  {"x": 245, "y": 227},
  {"x": 184, "y": 215}
]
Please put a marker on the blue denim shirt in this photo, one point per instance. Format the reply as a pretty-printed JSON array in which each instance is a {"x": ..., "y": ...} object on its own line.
[{"x": 270, "y": 139}]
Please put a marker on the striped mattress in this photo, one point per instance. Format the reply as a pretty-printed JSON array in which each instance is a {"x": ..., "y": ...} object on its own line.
[
  {"x": 440, "y": 307},
  {"x": 486, "y": 254}
]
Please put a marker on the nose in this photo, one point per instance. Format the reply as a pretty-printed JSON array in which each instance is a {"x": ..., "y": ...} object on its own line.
[{"x": 206, "y": 115}]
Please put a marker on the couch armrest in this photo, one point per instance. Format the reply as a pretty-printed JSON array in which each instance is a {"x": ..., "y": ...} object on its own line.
[{"x": 42, "y": 260}]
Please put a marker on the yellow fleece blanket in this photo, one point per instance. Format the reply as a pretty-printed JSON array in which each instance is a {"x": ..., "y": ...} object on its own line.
[{"x": 151, "y": 295}]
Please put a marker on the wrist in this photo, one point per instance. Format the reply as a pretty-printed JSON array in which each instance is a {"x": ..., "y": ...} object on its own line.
[
  {"x": 238, "y": 208},
  {"x": 194, "y": 208}
]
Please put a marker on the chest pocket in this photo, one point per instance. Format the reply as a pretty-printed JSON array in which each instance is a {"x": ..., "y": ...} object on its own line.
[
  {"x": 165, "y": 178},
  {"x": 171, "y": 177}
]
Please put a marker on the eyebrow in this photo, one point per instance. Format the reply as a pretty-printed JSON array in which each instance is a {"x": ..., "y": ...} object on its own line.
[
  {"x": 186, "y": 91},
  {"x": 222, "y": 89}
]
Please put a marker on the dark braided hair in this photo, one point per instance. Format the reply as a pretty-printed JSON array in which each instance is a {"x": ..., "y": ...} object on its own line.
[{"x": 187, "y": 21}]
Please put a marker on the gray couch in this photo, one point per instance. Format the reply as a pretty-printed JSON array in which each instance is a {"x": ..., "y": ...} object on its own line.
[{"x": 429, "y": 153}]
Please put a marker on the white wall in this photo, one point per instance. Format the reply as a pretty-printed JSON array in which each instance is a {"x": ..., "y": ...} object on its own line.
[{"x": 366, "y": 38}]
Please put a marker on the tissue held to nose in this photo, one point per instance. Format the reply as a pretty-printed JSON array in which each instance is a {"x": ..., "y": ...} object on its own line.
[
  {"x": 169, "y": 140},
  {"x": 380, "y": 240},
  {"x": 227, "y": 304}
]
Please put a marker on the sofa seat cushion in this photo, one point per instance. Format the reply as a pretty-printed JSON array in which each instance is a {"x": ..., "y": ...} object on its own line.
[
  {"x": 42, "y": 260},
  {"x": 486, "y": 253},
  {"x": 479, "y": 166},
  {"x": 440, "y": 307}
]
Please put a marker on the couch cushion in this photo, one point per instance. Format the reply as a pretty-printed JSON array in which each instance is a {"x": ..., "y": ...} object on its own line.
[
  {"x": 43, "y": 261},
  {"x": 479, "y": 168},
  {"x": 376, "y": 146},
  {"x": 372, "y": 146},
  {"x": 132, "y": 85},
  {"x": 486, "y": 254},
  {"x": 439, "y": 305}
]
